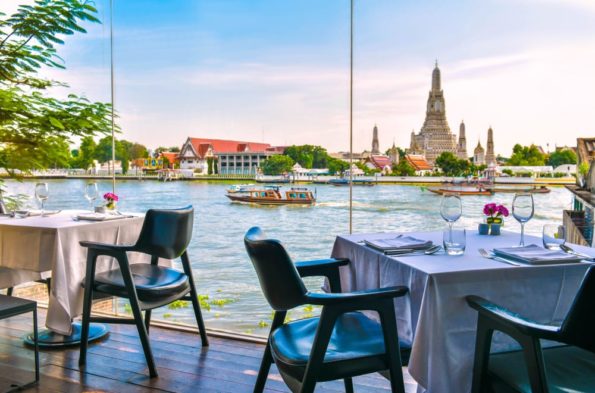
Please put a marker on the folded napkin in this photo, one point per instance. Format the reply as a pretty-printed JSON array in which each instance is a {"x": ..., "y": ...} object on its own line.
[
  {"x": 399, "y": 243},
  {"x": 33, "y": 213},
  {"x": 536, "y": 255},
  {"x": 100, "y": 216}
]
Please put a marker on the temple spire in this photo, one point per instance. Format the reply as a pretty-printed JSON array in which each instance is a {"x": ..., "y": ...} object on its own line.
[
  {"x": 436, "y": 78},
  {"x": 375, "y": 144}
]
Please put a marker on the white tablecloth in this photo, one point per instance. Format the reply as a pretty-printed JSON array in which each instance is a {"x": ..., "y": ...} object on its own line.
[
  {"x": 436, "y": 318},
  {"x": 36, "y": 247}
]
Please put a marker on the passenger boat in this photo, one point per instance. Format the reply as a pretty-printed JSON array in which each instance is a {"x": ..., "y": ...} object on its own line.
[
  {"x": 239, "y": 188},
  {"x": 273, "y": 196},
  {"x": 461, "y": 191},
  {"x": 356, "y": 182}
]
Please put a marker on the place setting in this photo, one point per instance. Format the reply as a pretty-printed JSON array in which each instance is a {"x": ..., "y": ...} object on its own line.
[
  {"x": 106, "y": 212},
  {"x": 553, "y": 251}
]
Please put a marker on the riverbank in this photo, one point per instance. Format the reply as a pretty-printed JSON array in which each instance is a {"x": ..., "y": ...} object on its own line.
[{"x": 397, "y": 180}]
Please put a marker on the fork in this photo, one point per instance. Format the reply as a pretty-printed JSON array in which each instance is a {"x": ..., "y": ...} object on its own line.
[
  {"x": 569, "y": 250},
  {"x": 489, "y": 255}
]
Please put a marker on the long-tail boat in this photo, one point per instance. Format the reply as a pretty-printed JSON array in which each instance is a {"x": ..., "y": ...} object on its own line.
[{"x": 461, "y": 191}]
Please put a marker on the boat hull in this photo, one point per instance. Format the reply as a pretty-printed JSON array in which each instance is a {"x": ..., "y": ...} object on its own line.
[
  {"x": 442, "y": 191},
  {"x": 268, "y": 201}
]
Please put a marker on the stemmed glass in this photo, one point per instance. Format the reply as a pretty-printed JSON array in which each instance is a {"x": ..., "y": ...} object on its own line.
[
  {"x": 42, "y": 193},
  {"x": 91, "y": 193},
  {"x": 523, "y": 209},
  {"x": 451, "y": 209}
]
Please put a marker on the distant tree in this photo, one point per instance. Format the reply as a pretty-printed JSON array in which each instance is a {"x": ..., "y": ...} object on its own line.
[
  {"x": 509, "y": 172},
  {"x": 403, "y": 168},
  {"x": 451, "y": 165},
  {"x": 277, "y": 165},
  {"x": 32, "y": 123},
  {"x": 303, "y": 155},
  {"x": 136, "y": 150},
  {"x": 336, "y": 165},
  {"x": 59, "y": 156},
  {"x": 562, "y": 157},
  {"x": 103, "y": 149},
  {"x": 526, "y": 156},
  {"x": 86, "y": 153}
]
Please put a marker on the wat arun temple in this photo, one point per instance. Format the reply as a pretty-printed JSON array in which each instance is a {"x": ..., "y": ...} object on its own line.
[{"x": 435, "y": 136}]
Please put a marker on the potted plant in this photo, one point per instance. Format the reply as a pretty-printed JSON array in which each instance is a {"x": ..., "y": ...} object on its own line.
[
  {"x": 495, "y": 216},
  {"x": 110, "y": 200}
]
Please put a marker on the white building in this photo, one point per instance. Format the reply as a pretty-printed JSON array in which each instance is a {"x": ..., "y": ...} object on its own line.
[{"x": 224, "y": 156}]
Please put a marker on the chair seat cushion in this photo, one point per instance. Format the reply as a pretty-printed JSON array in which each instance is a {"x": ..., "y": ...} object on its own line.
[
  {"x": 356, "y": 346},
  {"x": 568, "y": 369},
  {"x": 151, "y": 281}
]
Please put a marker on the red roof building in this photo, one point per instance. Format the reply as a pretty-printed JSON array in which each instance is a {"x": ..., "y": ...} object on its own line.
[
  {"x": 205, "y": 155},
  {"x": 419, "y": 163},
  {"x": 380, "y": 162}
]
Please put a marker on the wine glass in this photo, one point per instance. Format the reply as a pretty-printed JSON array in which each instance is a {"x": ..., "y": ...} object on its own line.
[
  {"x": 523, "y": 209},
  {"x": 42, "y": 193},
  {"x": 91, "y": 193},
  {"x": 451, "y": 209}
]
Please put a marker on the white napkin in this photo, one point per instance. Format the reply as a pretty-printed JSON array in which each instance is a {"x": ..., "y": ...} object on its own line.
[
  {"x": 535, "y": 255},
  {"x": 100, "y": 216},
  {"x": 399, "y": 243}
]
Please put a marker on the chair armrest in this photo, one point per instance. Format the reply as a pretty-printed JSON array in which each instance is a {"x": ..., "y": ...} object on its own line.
[
  {"x": 107, "y": 247},
  {"x": 510, "y": 320},
  {"x": 356, "y": 299},
  {"x": 319, "y": 267}
]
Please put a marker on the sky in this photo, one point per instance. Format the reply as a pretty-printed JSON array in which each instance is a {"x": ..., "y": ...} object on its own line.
[{"x": 277, "y": 71}]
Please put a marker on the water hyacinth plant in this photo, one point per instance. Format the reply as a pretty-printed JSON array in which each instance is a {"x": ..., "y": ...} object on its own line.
[{"x": 495, "y": 213}]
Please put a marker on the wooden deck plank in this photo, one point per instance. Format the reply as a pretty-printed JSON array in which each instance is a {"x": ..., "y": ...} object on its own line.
[{"x": 117, "y": 364}]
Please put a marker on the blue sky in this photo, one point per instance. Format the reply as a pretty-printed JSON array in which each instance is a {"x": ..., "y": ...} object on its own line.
[{"x": 277, "y": 70}]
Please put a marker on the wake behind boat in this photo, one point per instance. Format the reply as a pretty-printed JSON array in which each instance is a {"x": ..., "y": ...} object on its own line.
[{"x": 273, "y": 196}]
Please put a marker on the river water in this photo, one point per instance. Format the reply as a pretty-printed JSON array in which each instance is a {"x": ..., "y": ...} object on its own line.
[{"x": 222, "y": 269}]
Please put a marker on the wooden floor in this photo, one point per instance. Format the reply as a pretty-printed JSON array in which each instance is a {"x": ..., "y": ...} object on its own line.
[{"x": 117, "y": 364}]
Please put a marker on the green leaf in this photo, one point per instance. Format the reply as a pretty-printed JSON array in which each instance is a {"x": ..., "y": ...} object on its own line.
[{"x": 56, "y": 123}]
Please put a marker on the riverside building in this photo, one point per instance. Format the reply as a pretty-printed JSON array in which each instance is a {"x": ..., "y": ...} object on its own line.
[{"x": 225, "y": 157}]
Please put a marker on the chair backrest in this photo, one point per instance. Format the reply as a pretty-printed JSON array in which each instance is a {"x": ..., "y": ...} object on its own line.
[
  {"x": 166, "y": 233},
  {"x": 279, "y": 279},
  {"x": 579, "y": 326}
]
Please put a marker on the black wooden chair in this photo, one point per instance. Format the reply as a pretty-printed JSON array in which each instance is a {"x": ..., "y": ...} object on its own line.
[
  {"x": 566, "y": 368},
  {"x": 12, "y": 306},
  {"x": 341, "y": 343},
  {"x": 165, "y": 234}
]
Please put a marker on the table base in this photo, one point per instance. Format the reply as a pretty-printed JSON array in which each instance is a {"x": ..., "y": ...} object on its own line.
[{"x": 50, "y": 339}]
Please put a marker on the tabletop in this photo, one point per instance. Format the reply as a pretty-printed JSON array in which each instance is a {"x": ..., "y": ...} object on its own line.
[
  {"x": 435, "y": 318},
  {"x": 50, "y": 245}
]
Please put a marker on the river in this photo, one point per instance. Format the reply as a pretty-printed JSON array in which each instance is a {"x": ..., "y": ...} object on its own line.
[{"x": 222, "y": 269}]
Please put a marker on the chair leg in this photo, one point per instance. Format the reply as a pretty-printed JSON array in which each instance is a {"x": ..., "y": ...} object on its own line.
[
  {"x": 483, "y": 343},
  {"x": 144, "y": 337},
  {"x": 147, "y": 320},
  {"x": 87, "y": 305},
  {"x": 348, "y": 385},
  {"x": 391, "y": 343},
  {"x": 36, "y": 341},
  {"x": 267, "y": 358},
  {"x": 195, "y": 303},
  {"x": 535, "y": 365}
]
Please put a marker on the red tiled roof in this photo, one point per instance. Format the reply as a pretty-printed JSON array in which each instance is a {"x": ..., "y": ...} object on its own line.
[
  {"x": 171, "y": 156},
  {"x": 418, "y": 162},
  {"x": 202, "y": 145},
  {"x": 380, "y": 161}
]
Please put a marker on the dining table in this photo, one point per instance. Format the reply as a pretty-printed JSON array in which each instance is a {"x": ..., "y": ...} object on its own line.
[
  {"x": 435, "y": 318},
  {"x": 38, "y": 247}
]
